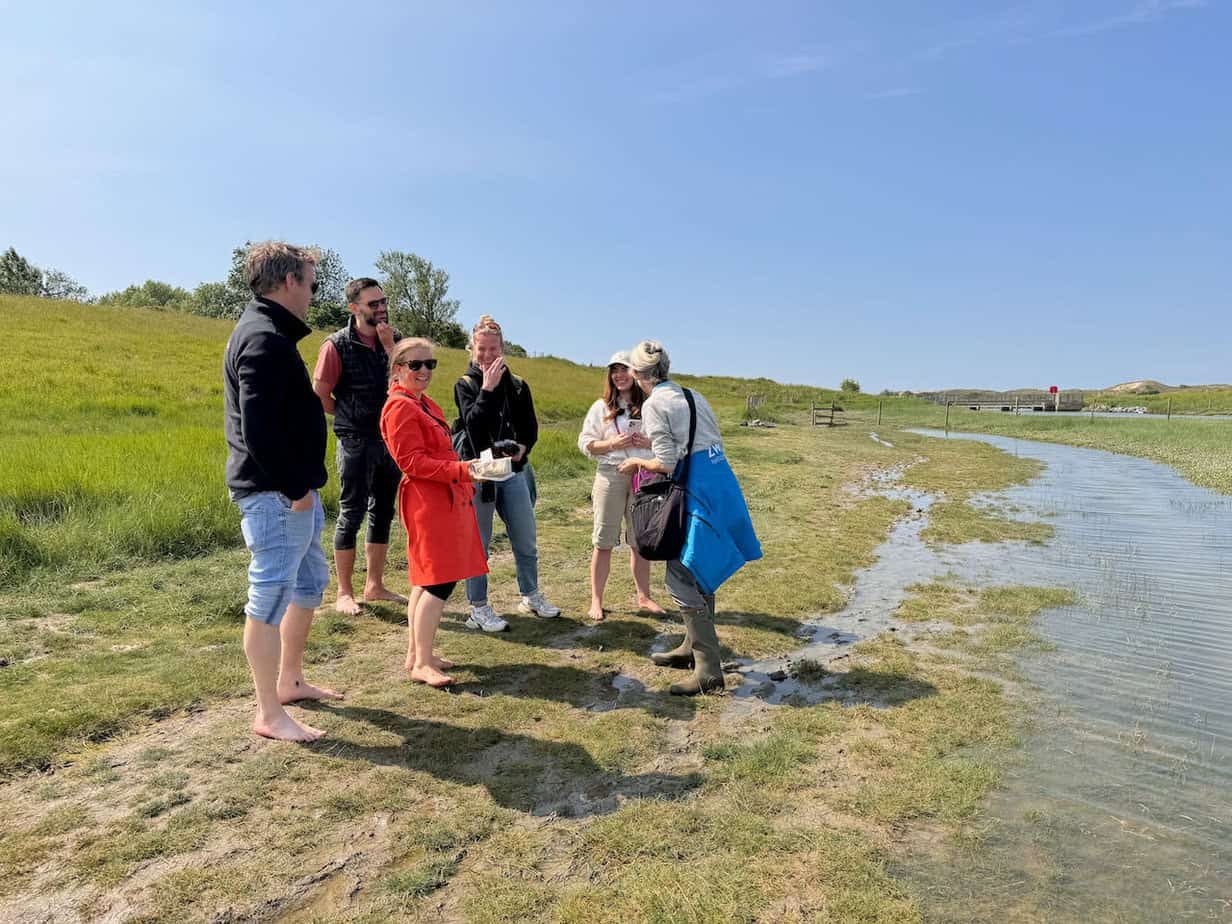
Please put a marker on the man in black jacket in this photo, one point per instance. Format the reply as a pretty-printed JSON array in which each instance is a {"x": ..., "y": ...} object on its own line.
[
  {"x": 275, "y": 432},
  {"x": 494, "y": 405}
]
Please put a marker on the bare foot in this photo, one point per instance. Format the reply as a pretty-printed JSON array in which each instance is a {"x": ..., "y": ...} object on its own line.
[
  {"x": 649, "y": 606},
  {"x": 596, "y": 612},
  {"x": 430, "y": 675},
  {"x": 383, "y": 593},
  {"x": 302, "y": 689},
  {"x": 441, "y": 664},
  {"x": 285, "y": 728},
  {"x": 346, "y": 605}
]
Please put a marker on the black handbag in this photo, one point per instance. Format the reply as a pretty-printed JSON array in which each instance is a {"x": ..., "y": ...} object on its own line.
[{"x": 660, "y": 520}]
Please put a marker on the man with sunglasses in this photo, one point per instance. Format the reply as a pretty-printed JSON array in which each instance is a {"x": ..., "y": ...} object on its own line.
[
  {"x": 276, "y": 440},
  {"x": 352, "y": 380}
]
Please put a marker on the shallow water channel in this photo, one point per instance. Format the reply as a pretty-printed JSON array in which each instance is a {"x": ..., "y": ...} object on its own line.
[{"x": 1120, "y": 806}]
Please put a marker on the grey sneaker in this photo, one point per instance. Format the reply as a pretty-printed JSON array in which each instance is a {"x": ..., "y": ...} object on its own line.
[
  {"x": 485, "y": 618},
  {"x": 538, "y": 604}
]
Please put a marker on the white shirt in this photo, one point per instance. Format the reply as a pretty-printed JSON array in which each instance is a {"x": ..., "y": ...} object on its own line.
[
  {"x": 596, "y": 428},
  {"x": 665, "y": 419}
]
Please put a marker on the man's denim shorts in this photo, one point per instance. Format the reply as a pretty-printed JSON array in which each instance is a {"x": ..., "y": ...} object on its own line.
[{"x": 288, "y": 564}]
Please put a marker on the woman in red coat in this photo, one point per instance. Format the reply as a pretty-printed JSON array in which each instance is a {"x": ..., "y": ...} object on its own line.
[{"x": 435, "y": 503}]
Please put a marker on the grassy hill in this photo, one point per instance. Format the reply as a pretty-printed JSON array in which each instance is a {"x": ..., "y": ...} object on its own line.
[{"x": 113, "y": 451}]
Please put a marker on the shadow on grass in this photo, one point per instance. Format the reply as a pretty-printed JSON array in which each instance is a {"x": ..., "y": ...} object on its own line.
[
  {"x": 522, "y": 773},
  {"x": 388, "y": 612},
  {"x": 582, "y": 689}
]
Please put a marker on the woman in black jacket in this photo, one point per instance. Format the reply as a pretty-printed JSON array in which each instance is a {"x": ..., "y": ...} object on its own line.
[{"x": 495, "y": 407}]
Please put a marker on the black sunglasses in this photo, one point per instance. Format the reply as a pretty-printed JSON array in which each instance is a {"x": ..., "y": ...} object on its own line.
[
  {"x": 314, "y": 287},
  {"x": 416, "y": 364},
  {"x": 378, "y": 302}
]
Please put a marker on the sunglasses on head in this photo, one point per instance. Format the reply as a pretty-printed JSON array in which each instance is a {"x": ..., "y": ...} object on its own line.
[{"x": 416, "y": 364}]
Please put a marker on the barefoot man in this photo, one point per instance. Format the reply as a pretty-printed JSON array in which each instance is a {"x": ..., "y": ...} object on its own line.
[
  {"x": 352, "y": 379},
  {"x": 276, "y": 435}
]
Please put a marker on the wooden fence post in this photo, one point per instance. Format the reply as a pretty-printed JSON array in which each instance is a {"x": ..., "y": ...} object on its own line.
[
  {"x": 1169, "y": 408},
  {"x": 879, "y": 403},
  {"x": 947, "y": 418}
]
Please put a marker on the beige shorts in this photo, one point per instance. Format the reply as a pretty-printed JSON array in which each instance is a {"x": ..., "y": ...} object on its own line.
[{"x": 613, "y": 497}]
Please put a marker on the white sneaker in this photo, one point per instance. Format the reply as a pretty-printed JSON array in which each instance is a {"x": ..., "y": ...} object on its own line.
[
  {"x": 538, "y": 604},
  {"x": 485, "y": 618}
]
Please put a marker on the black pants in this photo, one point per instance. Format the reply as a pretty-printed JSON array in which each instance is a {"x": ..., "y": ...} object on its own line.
[
  {"x": 368, "y": 482},
  {"x": 441, "y": 591}
]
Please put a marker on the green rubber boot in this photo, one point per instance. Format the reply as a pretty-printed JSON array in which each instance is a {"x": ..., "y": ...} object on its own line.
[
  {"x": 708, "y": 666},
  {"x": 680, "y": 656}
]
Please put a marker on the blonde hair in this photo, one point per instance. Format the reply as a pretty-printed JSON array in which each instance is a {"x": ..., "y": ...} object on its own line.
[
  {"x": 268, "y": 264},
  {"x": 485, "y": 325},
  {"x": 650, "y": 361},
  {"x": 408, "y": 345}
]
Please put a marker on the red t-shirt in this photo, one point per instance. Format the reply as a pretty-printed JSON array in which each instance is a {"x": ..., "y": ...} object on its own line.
[{"x": 329, "y": 365}]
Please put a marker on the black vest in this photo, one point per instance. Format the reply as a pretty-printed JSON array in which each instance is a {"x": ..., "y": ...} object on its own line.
[{"x": 362, "y": 384}]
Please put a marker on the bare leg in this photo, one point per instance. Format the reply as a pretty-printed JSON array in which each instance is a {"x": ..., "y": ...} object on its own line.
[
  {"x": 344, "y": 561},
  {"x": 441, "y": 664},
  {"x": 291, "y": 683},
  {"x": 416, "y": 593},
  {"x": 427, "y": 617},
  {"x": 641, "y": 579},
  {"x": 374, "y": 585},
  {"x": 600, "y": 568},
  {"x": 262, "y": 646}
]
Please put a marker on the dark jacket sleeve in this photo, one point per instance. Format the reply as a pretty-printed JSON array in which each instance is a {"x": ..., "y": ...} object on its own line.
[
  {"x": 264, "y": 370},
  {"x": 528, "y": 423}
]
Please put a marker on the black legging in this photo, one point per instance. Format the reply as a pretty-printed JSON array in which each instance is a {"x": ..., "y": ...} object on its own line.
[{"x": 441, "y": 591}]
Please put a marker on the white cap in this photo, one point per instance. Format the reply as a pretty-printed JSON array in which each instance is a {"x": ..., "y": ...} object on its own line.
[{"x": 621, "y": 357}]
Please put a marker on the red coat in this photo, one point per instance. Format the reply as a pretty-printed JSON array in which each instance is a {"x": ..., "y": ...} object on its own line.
[{"x": 435, "y": 498}]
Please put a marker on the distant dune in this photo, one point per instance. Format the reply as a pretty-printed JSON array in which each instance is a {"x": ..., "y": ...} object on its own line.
[
  {"x": 1152, "y": 387},
  {"x": 1144, "y": 387}
]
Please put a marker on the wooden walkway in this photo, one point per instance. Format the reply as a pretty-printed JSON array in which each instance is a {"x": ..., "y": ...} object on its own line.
[{"x": 1008, "y": 401}]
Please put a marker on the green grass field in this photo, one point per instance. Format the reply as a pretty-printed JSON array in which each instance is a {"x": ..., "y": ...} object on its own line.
[
  {"x": 113, "y": 450},
  {"x": 132, "y": 789}
]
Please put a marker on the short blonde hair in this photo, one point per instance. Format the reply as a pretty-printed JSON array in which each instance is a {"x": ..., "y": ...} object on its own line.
[
  {"x": 268, "y": 264},
  {"x": 485, "y": 325},
  {"x": 408, "y": 345},
  {"x": 649, "y": 360}
]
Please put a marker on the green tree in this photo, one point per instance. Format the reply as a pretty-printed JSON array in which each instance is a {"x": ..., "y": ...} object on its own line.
[
  {"x": 850, "y": 386},
  {"x": 58, "y": 284},
  {"x": 151, "y": 294},
  {"x": 452, "y": 335},
  {"x": 417, "y": 295},
  {"x": 18, "y": 276},
  {"x": 213, "y": 300},
  {"x": 328, "y": 316},
  {"x": 238, "y": 294}
]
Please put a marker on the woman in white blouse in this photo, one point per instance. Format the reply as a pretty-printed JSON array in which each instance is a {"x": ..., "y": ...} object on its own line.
[{"x": 610, "y": 435}]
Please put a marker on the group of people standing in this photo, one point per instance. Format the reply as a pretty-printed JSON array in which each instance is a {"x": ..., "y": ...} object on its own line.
[{"x": 395, "y": 444}]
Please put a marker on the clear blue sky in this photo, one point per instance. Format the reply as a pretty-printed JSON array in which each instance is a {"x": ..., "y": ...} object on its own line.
[{"x": 912, "y": 194}]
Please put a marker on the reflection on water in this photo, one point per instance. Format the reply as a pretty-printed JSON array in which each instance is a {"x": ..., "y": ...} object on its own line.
[{"x": 1120, "y": 809}]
